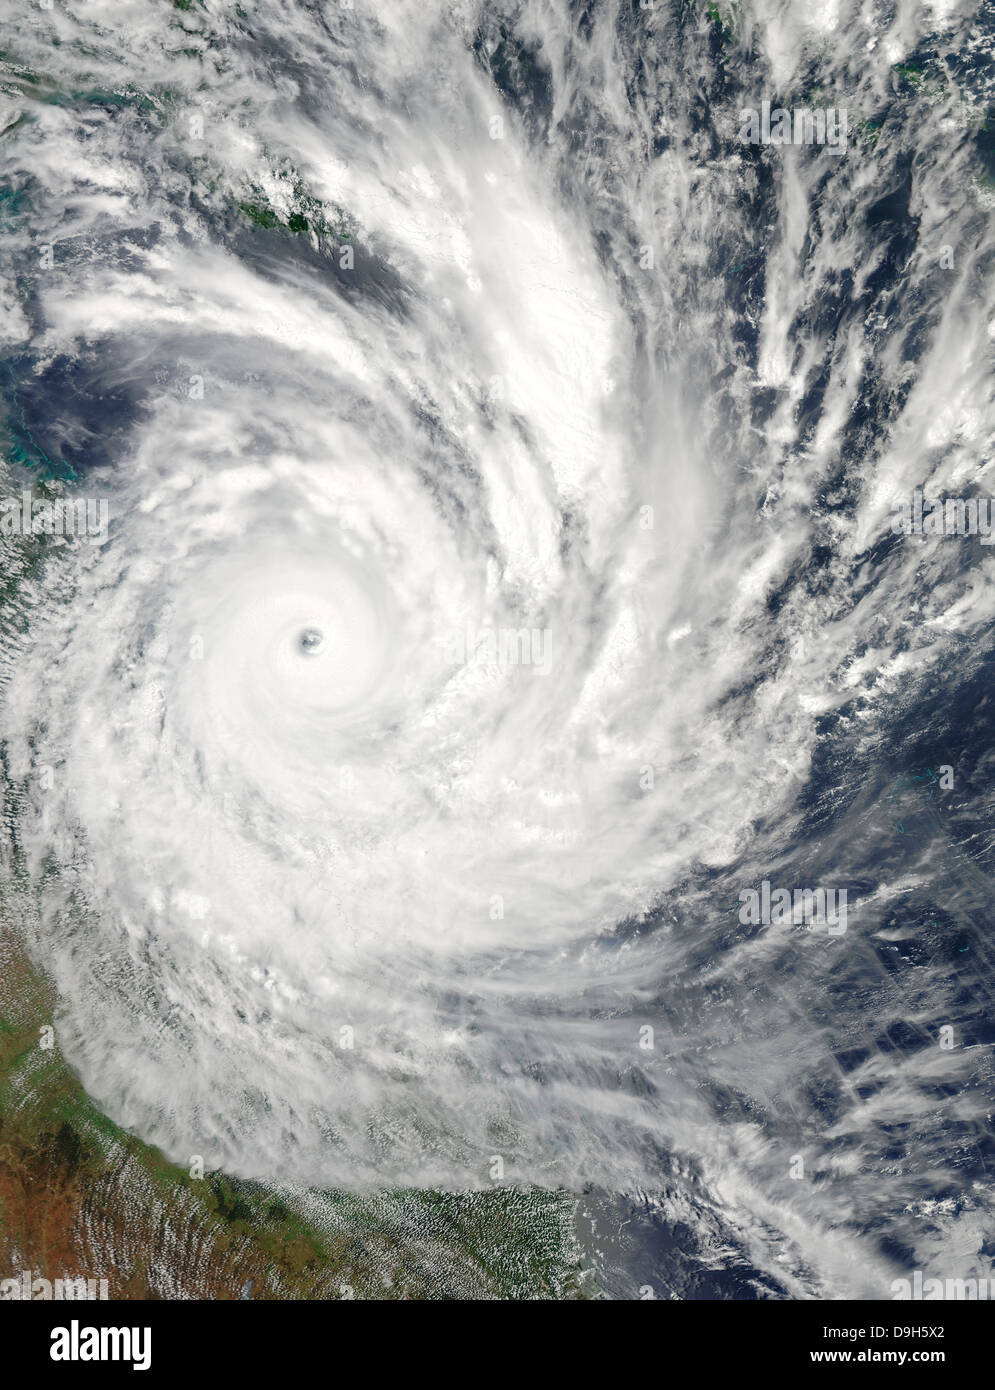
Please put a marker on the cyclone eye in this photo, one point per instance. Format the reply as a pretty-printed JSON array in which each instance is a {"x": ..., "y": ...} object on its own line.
[{"x": 311, "y": 641}]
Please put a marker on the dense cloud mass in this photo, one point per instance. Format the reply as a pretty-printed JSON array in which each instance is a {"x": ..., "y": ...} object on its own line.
[{"x": 500, "y": 582}]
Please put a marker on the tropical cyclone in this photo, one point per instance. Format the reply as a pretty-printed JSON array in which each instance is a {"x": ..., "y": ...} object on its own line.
[{"x": 328, "y": 896}]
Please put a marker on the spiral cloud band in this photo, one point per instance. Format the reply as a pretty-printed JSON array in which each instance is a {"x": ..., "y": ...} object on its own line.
[{"x": 499, "y": 582}]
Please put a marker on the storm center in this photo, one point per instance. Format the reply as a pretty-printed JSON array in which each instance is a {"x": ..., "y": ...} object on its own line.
[{"x": 311, "y": 641}]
